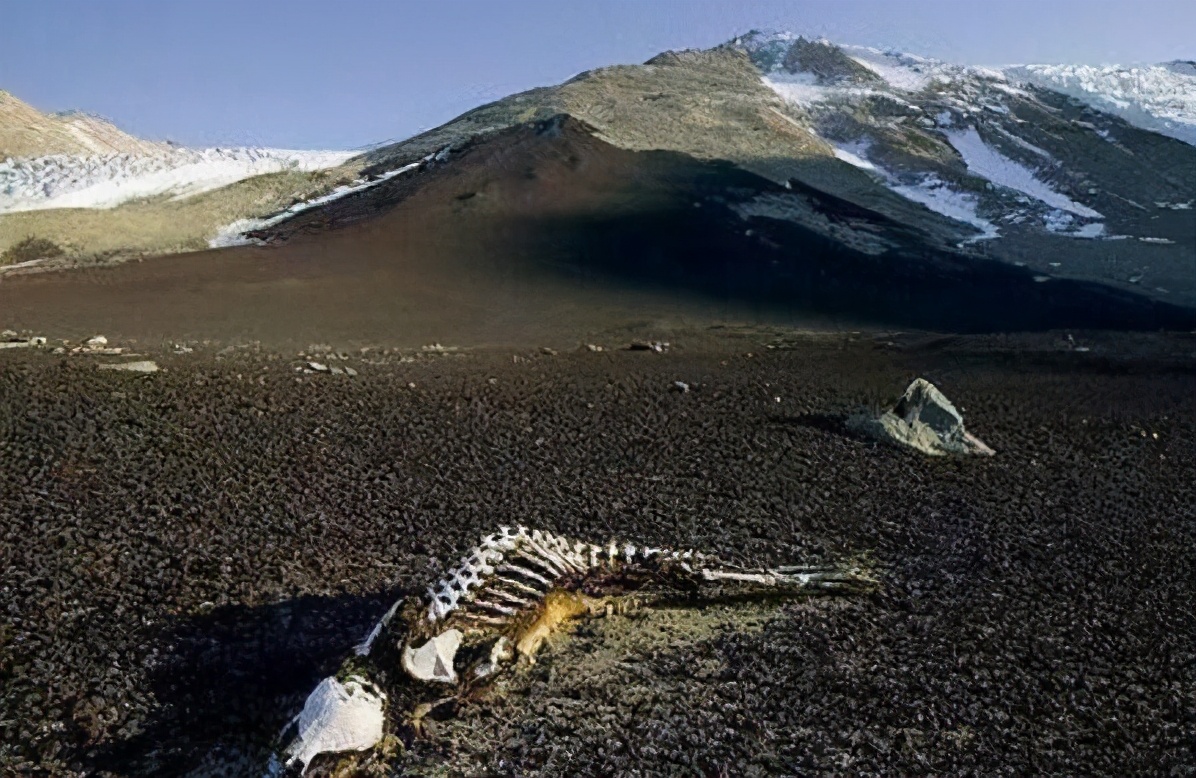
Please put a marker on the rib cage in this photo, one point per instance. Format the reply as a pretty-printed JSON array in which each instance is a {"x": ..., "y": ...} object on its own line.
[{"x": 513, "y": 569}]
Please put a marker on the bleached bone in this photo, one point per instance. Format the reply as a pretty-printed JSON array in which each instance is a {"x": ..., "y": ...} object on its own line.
[
  {"x": 433, "y": 661},
  {"x": 513, "y": 569},
  {"x": 336, "y": 717}
]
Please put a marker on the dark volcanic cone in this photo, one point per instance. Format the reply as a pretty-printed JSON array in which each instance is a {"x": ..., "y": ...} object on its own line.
[{"x": 544, "y": 232}]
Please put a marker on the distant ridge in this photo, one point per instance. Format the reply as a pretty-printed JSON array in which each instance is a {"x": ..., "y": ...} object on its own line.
[{"x": 28, "y": 132}]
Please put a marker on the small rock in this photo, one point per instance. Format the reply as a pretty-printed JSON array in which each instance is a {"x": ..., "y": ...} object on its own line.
[
  {"x": 656, "y": 346},
  {"x": 548, "y": 351},
  {"x": 318, "y": 367},
  {"x": 98, "y": 340},
  {"x": 681, "y": 386},
  {"x": 144, "y": 366},
  {"x": 12, "y": 341},
  {"x": 8, "y": 334},
  {"x": 336, "y": 370},
  {"x": 593, "y": 347},
  {"x": 350, "y": 371}
]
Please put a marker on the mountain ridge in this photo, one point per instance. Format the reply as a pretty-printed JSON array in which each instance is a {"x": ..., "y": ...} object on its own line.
[
  {"x": 28, "y": 132},
  {"x": 978, "y": 161}
]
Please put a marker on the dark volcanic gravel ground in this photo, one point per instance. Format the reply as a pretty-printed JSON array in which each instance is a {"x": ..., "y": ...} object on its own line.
[{"x": 182, "y": 555}]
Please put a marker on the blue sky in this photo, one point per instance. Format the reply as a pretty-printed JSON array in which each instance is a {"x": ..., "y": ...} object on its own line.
[{"x": 345, "y": 73}]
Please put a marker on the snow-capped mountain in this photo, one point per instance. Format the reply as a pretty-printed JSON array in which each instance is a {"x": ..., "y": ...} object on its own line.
[
  {"x": 77, "y": 160},
  {"x": 969, "y": 143},
  {"x": 978, "y": 160},
  {"x": 1012, "y": 152},
  {"x": 985, "y": 164}
]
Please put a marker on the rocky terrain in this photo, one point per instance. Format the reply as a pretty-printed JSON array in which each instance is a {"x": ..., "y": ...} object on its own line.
[
  {"x": 647, "y": 303},
  {"x": 187, "y": 552}
]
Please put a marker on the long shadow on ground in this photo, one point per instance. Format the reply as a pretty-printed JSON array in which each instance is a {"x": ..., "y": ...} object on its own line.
[{"x": 231, "y": 678}]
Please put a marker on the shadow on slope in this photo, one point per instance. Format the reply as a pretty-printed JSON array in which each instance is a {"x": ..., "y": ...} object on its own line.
[
  {"x": 544, "y": 232},
  {"x": 595, "y": 213}
]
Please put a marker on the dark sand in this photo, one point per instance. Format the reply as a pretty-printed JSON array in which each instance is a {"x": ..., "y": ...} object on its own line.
[{"x": 185, "y": 554}]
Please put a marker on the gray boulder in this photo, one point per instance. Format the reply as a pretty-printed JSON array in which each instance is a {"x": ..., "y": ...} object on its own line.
[{"x": 924, "y": 420}]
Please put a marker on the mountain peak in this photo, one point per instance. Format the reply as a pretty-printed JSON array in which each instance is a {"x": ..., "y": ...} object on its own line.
[{"x": 28, "y": 132}]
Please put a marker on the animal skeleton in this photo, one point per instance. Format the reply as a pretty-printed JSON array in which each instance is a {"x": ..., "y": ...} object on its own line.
[{"x": 496, "y": 607}]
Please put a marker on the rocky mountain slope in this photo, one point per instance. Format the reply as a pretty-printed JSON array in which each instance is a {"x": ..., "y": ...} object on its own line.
[
  {"x": 973, "y": 158},
  {"x": 1043, "y": 179},
  {"x": 979, "y": 164}
]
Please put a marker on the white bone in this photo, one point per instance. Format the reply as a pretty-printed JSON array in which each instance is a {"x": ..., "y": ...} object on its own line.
[
  {"x": 523, "y": 571},
  {"x": 337, "y": 717},
  {"x": 518, "y": 585},
  {"x": 433, "y": 661},
  {"x": 363, "y": 648},
  {"x": 506, "y": 610}
]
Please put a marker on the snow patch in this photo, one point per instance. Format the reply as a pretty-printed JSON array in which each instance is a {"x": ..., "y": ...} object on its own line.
[
  {"x": 1025, "y": 144},
  {"x": 897, "y": 76},
  {"x": 988, "y": 163},
  {"x": 234, "y": 234},
  {"x": 907, "y": 72},
  {"x": 852, "y": 156},
  {"x": 803, "y": 89},
  {"x": 1064, "y": 223},
  {"x": 1157, "y": 98},
  {"x": 934, "y": 193},
  {"x": 1009, "y": 90},
  {"x": 106, "y": 181},
  {"x": 797, "y": 88}
]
